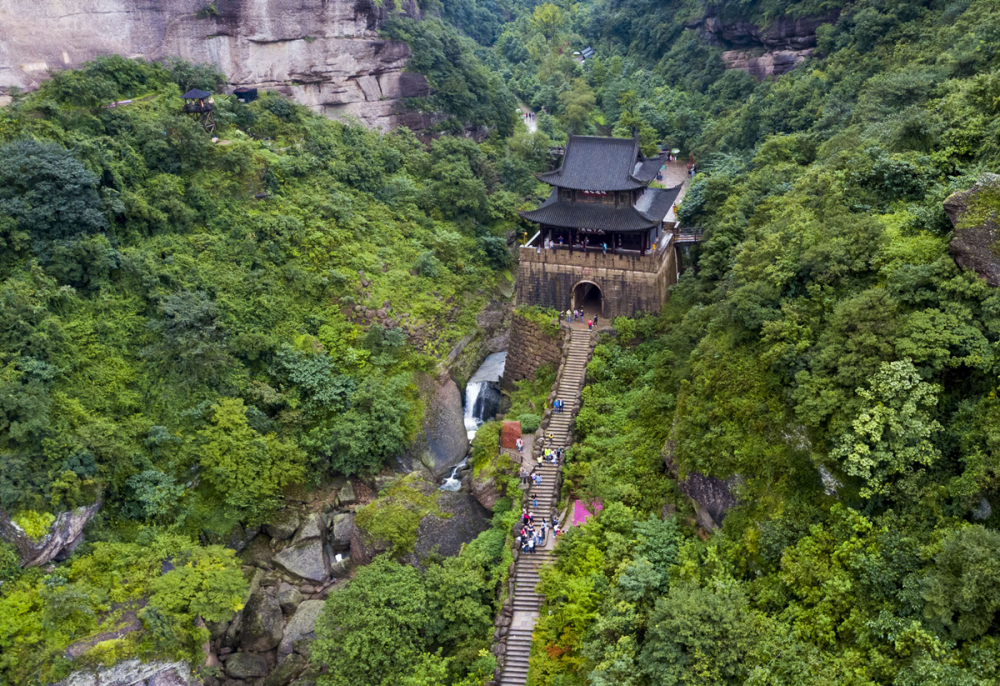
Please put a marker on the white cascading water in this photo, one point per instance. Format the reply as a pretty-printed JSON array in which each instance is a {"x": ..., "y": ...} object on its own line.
[{"x": 473, "y": 419}]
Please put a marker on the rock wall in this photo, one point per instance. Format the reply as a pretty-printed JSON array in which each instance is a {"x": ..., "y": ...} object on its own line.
[
  {"x": 325, "y": 54},
  {"x": 762, "y": 51},
  {"x": 976, "y": 239},
  {"x": 529, "y": 349}
]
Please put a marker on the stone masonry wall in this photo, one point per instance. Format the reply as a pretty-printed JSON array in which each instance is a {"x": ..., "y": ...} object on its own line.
[
  {"x": 529, "y": 349},
  {"x": 626, "y": 285}
]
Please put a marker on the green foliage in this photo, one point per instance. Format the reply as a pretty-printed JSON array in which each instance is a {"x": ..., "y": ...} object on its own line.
[
  {"x": 463, "y": 86},
  {"x": 545, "y": 318},
  {"x": 46, "y": 194},
  {"x": 391, "y": 521},
  {"x": 34, "y": 524},
  {"x": 245, "y": 469},
  {"x": 375, "y": 629},
  {"x": 41, "y": 615},
  {"x": 529, "y": 422}
]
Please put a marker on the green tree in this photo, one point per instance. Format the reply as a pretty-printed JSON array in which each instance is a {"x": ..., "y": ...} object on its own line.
[
  {"x": 244, "y": 469},
  {"x": 46, "y": 193},
  {"x": 698, "y": 636},
  {"x": 890, "y": 434},
  {"x": 373, "y": 632},
  {"x": 577, "y": 105},
  {"x": 376, "y": 428},
  {"x": 962, "y": 587}
]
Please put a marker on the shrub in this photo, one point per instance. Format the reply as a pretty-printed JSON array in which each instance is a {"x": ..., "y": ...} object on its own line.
[
  {"x": 34, "y": 524},
  {"x": 529, "y": 423}
]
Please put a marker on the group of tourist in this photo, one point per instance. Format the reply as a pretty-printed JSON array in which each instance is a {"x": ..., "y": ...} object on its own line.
[
  {"x": 577, "y": 315},
  {"x": 551, "y": 456},
  {"x": 528, "y": 538},
  {"x": 557, "y": 406},
  {"x": 536, "y": 479}
]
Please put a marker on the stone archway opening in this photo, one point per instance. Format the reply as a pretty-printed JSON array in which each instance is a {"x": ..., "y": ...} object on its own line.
[{"x": 587, "y": 296}]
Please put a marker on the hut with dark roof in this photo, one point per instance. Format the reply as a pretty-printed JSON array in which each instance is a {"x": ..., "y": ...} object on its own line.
[{"x": 601, "y": 214}]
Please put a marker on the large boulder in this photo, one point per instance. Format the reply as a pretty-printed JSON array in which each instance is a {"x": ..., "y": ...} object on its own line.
[
  {"x": 973, "y": 213},
  {"x": 262, "y": 621},
  {"x": 314, "y": 527},
  {"x": 289, "y": 598},
  {"x": 446, "y": 536},
  {"x": 132, "y": 672},
  {"x": 444, "y": 442},
  {"x": 283, "y": 525},
  {"x": 301, "y": 625},
  {"x": 306, "y": 560},
  {"x": 286, "y": 672},
  {"x": 246, "y": 666},
  {"x": 341, "y": 530}
]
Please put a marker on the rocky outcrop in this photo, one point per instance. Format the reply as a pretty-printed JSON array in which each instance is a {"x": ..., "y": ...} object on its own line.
[
  {"x": 301, "y": 625},
  {"x": 762, "y": 51},
  {"x": 64, "y": 535},
  {"x": 766, "y": 65},
  {"x": 326, "y": 55},
  {"x": 711, "y": 497},
  {"x": 262, "y": 623},
  {"x": 465, "y": 519},
  {"x": 443, "y": 443},
  {"x": 133, "y": 673},
  {"x": 975, "y": 245}
]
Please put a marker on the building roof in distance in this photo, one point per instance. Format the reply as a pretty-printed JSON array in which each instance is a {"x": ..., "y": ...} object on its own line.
[
  {"x": 196, "y": 94},
  {"x": 649, "y": 211},
  {"x": 597, "y": 163}
]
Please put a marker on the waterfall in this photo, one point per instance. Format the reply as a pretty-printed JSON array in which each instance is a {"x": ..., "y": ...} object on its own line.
[
  {"x": 473, "y": 399},
  {"x": 482, "y": 393},
  {"x": 452, "y": 482}
]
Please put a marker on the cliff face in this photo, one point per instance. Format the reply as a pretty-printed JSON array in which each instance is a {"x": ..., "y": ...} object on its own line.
[
  {"x": 325, "y": 54},
  {"x": 766, "y": 51}
]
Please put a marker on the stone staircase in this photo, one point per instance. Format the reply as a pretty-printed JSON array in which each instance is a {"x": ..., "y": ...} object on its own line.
[{"x": 526, "y": 600}]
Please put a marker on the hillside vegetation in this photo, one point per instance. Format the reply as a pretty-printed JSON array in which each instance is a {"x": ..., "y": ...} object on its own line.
[
  {"x": 828, "y": 359},
  {"x": 190, "y": 325}
]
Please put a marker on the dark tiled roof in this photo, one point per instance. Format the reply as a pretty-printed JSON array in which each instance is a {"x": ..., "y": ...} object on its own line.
[
  {"x": 648, "y": 212},
  {"x": 196, "y": 94},
  {"x": 594, "y": 163}
]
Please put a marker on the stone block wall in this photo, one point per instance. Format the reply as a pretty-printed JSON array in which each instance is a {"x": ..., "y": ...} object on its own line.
[
  {"x": 529, "y": 349},
  {"x": 627, "y": 284}
]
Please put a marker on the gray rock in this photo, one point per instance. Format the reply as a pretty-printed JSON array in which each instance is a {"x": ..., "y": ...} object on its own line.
[
  {"x": 130, "y": 672},
  {"x": 258, "y": 553},
  {"x": 342, "y": 567},
  {"x": 447, "y": 536},
  {"x": 262, "y": 622},
  {"x": 351, "y": 71},
  {"x": 977, "y": 233},
  {"x": 63, "y": 536},
  {"x": 301, "y": 625},
  {"x": 286, "y": 671},
  {"x": 288, "y": 598},
  {"x": 306, "y": 560},
  {"x": 314, "y": 527},
  {"x": 346, "y": 495},
  {"x": 444, "y": 442},
  {"x": 246, "y": 666},
  {"x": 340, "y": 532},
  {"x": 284, "y": 525}
]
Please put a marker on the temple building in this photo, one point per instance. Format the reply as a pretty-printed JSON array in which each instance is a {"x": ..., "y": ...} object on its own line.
[{"x": 603, "y": 243}]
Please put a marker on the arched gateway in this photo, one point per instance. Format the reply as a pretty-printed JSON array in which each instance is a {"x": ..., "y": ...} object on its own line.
[{"x": 587, "y": 296}]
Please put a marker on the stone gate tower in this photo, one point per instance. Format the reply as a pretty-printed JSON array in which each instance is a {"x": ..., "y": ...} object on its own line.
[{"x": 602, "y": 243}]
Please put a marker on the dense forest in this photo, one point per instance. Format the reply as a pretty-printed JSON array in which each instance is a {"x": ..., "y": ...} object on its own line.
[{"x": 179, "y": 341}]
